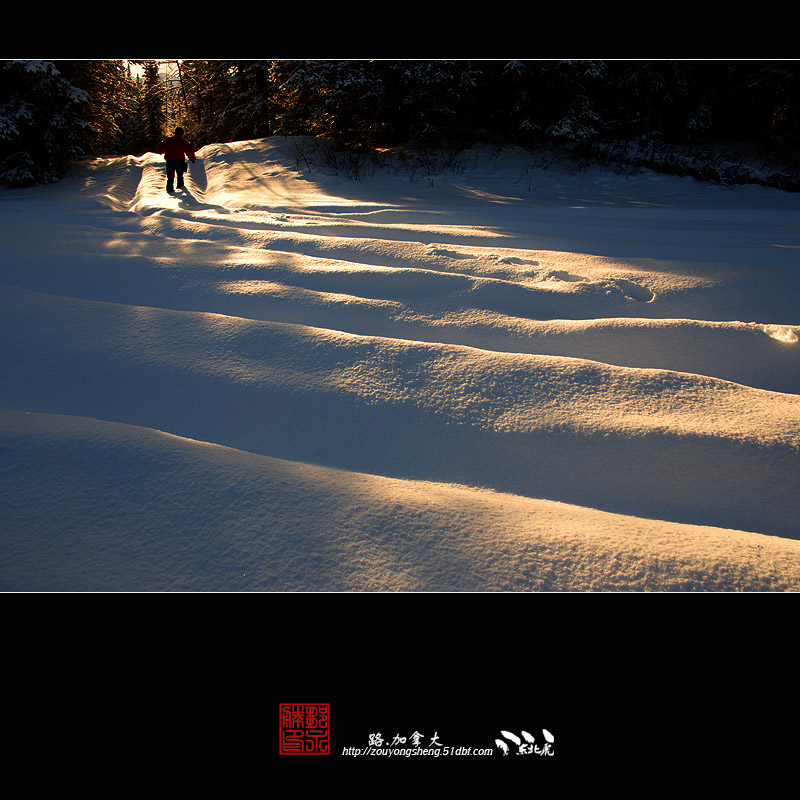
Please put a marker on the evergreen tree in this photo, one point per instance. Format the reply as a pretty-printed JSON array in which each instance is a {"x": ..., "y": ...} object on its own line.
[
  {"x": 350, "y": 101},
  {"x": 208, "y": 89},
  {"x": 132, "y": 136},
  {"x": 301, "y": 87},
  {"x": 561, "y": 100},
  {"x": 50, "y": 113},
  {"x": 773, "y": 91},
  {"x": 507, "y": 101},
  {"x": 111, "y": 106},
  {"x": 150, "y": 105},
  {"x": 40, "y": 129},
  {"x": 431, "y": 96},
  {"x": 251, "y": 110},
  {"x": 654, "y": 98}
]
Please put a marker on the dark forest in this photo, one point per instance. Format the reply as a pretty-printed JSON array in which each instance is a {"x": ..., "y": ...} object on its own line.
[{"x": 725, "y": 121}]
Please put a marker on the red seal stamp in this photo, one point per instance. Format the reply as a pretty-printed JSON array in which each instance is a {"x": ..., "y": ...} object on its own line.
[{"x": 305, "y": 729}]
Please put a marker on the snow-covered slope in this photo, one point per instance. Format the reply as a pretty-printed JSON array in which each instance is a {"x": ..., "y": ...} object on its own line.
[{"x": 501, "y": 379}]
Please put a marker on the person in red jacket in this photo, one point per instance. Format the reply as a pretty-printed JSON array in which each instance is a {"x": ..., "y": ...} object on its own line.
[{"x": 174, "y": 148}]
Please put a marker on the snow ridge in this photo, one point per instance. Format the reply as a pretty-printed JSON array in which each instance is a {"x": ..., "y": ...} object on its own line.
[{"x": 466, "y": 385}]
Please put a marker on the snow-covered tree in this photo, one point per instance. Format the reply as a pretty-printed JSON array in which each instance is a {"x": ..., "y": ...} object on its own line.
[
  {"x": 50, "y": 111},
  {"x": 342, "y": 100},
  {"x": 431, "y": 99},
  {"x": 41, "y": 131},
  {"x": 543, "y": 100},
  {"x": 112, "y": 107},
  {"x": 251, "y": 108}
]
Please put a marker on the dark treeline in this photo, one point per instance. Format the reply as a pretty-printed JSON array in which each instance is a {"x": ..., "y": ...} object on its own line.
[{"x": 661, "y": 114}]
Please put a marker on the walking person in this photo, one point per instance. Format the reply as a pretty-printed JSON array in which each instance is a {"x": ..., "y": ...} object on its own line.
[{"x": 174, "y": 149}]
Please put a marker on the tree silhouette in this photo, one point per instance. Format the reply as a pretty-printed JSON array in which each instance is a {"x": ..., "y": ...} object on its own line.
[{"x": 598, "y": 109}]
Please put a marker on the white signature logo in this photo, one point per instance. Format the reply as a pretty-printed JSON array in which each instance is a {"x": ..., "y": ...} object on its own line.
[{"x": 526, "y": 744}]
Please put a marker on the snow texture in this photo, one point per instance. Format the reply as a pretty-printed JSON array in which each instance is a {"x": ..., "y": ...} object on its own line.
[{"x": 504, "y": 379}]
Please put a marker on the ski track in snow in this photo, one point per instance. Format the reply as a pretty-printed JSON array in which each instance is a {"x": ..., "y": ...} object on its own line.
[{"x": 317, "y": 384}]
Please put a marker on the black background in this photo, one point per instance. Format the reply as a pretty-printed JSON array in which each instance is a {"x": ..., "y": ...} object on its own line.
[{"x": 182, "y": 692}]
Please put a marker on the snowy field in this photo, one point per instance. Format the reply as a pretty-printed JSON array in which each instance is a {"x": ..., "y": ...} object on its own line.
[{"x": 495, "y": 379}]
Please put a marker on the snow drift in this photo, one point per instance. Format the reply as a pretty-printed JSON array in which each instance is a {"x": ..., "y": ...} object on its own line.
[{"x": 281, "y": 380}]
